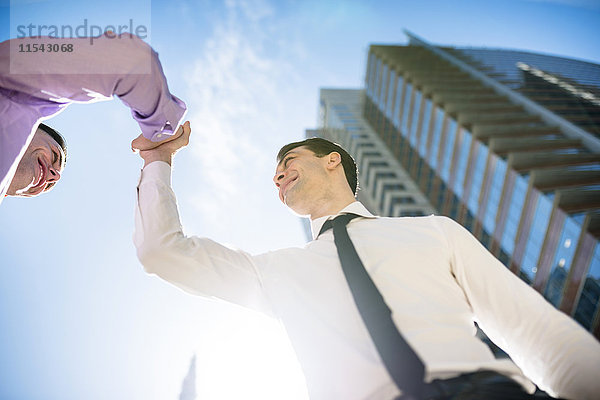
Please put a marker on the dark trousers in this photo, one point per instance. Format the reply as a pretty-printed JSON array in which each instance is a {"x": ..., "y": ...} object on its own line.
[{"x": 481, "y": 385}]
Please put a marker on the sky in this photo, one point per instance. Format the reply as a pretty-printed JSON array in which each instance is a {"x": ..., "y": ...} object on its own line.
[{"x": 79, "y": 317}]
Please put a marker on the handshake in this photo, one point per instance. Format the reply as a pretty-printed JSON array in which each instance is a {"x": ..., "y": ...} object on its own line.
[{"x": 165, "y": 150}]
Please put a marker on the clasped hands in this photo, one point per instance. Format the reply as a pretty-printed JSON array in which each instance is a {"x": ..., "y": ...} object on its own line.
[{"x": 162, "y": 151}]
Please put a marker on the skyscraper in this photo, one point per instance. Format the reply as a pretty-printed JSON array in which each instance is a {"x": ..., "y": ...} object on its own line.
[
  {"x": 188, "y": 387},
  {"x": 505, "y": 142}
]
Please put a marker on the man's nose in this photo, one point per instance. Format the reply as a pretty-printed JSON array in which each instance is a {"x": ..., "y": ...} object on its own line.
[
  {"x": 278, "y": 178},
  {"x": 53, "y": 175}
]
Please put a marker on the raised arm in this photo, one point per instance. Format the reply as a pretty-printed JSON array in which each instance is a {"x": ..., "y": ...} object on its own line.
[
  {"x": 95, "y": 69},
  {"x": 197, "y": 265},
  {"x": 552, "y": 349}
]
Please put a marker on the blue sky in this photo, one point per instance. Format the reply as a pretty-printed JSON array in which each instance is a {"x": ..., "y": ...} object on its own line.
[{"x": 79, "y": 318}]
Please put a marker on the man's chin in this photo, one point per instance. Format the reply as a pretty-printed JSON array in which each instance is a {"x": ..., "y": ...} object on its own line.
[
  {"x": 297, "y": 210},
  {"x": 26, "y": 192}
]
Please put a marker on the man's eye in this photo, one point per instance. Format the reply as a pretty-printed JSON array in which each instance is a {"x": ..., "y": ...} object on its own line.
[{"x": 285, "y": 162}]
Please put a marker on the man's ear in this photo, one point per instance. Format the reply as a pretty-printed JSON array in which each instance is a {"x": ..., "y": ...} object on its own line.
[{"x": 333, "y": 160}]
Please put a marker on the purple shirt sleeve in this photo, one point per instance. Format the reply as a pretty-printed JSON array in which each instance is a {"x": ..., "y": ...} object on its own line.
[{"x": 37, "y": 85}]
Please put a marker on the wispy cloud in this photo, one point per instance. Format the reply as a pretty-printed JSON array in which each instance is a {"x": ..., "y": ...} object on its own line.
[{"x": 241, "y": 99}]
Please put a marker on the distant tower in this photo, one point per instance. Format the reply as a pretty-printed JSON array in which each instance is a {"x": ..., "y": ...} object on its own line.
[
  {"x": 505, "y": 142},
  {"x": 188, "y": 387}
]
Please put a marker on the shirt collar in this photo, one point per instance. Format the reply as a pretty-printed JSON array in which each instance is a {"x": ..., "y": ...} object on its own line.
[{"x": 352, "y": 208}]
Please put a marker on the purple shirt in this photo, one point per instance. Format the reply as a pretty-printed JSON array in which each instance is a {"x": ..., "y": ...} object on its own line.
[{"x": 125, "y": 66}]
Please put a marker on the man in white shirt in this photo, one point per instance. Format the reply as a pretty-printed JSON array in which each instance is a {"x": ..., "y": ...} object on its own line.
[{"x": 435, "y": 277}]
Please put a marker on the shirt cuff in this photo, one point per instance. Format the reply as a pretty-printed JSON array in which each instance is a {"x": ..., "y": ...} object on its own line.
[
  {"x": 173, "y": 114},
  {"x": 157, "y": 171}
]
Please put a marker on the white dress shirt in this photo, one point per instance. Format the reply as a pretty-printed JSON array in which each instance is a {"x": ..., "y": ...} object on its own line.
[{"x": 434, "y": 275}]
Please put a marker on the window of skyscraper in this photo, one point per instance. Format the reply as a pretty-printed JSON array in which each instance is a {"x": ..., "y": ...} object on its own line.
[
  {"x": 448, "y": 149},
  {"x": 398, "y": 101},
  {"x": 414, "y": 128},
  {"x": 377, "y": 81},
  {"x": 477, "y": 181},
  {"x": 370, "y": 164},
  {"x": 588, "y": 305},
  {"x": 537, "y": 233},
  {"x": 561, "y": 265},
  {"x": 464, "y": 147},
  {"x": 406, "y": 110},
  {"x": 390, "y": 95},
  {"x": 362, "y": 156},
  {"x": 339, "y": 107},
  {"x": 379, "y": 176},
  {"x": 399, "y": 200},
  {"x": 381, "y": 96},
  {"x": 435, "y": 141},
  {"x": 585, "y": 167},
  {"x": 489, "y": 219},
  {"x": 515, "y": 207},
  {"x": 423, "y": 135},
  {"x": 386, "y": 189},
  {"x": 393, "y": 186}
]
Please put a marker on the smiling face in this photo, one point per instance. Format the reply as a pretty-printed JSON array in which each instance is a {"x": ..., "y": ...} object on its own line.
[
  {"x": 302, "y": 180},
  {"x": 40, "y": 167}
]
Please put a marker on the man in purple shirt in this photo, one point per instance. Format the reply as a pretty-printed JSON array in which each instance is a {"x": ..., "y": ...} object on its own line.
[{"x": 37, "y": 85}]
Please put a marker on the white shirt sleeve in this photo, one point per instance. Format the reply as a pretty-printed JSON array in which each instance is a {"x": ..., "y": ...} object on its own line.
[
  {"x": 199, "y": 266},
  {"x": 551, "y": 349}
]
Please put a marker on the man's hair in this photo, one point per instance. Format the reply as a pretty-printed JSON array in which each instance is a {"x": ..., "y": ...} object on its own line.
[
  {"x": 56, "y": 136},
  {"x": 321, "y": 148}
]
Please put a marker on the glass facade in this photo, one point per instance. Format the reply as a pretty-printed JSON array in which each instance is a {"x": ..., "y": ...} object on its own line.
[
  {"x": 570, "y": 88},
  {"x": 455, "y": 168}
]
